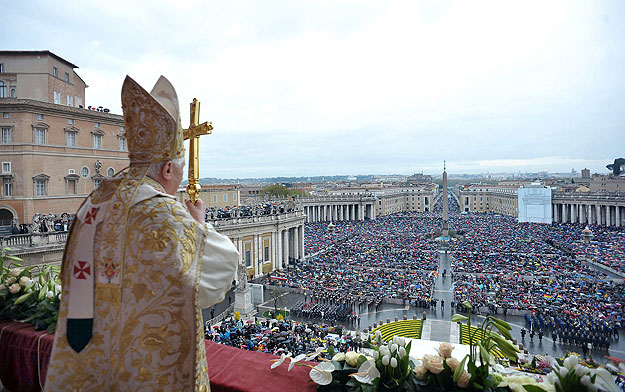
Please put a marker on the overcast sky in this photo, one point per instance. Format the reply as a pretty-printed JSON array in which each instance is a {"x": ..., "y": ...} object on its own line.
[{"x": 359, "y": 87}]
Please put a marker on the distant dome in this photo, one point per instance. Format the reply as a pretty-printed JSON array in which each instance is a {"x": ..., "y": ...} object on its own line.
[
  {"x": 331, "y": 227},
  {"x": 586, "y": 231}
]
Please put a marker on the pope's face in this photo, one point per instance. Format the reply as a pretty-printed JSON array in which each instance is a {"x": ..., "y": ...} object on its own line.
[{"x": 178, "y": 173}]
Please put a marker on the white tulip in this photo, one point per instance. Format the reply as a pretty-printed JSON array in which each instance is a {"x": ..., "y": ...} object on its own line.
[
  {"x": 15, "y": 272},
  {"x": 376, "y": 355},
  {"x": 384, "y": 350},
  {"x": 570, "y": 362},
  {"x": 402, "y": 352},
  {"x": 393, "y": 362},
  {"x": 24, "y": 281},
  {"x": 14, "y": 288},
  {"x": 378, "y": 334},
  {"x": 49, "y": 295},
  {"x": 394, "y": 347},
  {"x": 385, "y": 360},
  {"x": 57, "y": 287},
  {"x": 585, "y": 380},
  {"x": 580, "y": 370},
  {"x": 402, "y": 341},
  {"x": 563, "y": 371}
]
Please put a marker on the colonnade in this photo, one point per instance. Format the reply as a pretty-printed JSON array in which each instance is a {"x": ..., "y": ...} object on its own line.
[
  {"x": 589, "y": 213},
  {"x": 339, "y": 212}
]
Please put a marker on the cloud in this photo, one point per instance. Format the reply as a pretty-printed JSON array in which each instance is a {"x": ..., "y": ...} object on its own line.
[{"x": 331, "y": 87}]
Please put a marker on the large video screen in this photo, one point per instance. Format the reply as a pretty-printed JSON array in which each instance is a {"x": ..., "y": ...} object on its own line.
[{"x": 535, "y": 204}]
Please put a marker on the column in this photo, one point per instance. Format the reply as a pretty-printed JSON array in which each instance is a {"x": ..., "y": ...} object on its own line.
[
  {"x": 618, "y": 216},
  {"x": 573, "y": 217},
  {"x": 255, "y": 255},
  {"x": 296, "y": 242},
  {"x": 608, "y": 215},
  {"x": 278, "y": 250},
  {"x": 285, "y": 246},
  {"x": 597, "y": 214},
  {"x": 301, "y": 242},
  {"x": 554, "y": 210},
  {"x": 273, "y": 252}
]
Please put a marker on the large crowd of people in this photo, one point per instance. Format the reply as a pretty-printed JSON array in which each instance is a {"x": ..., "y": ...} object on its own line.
[
  {"x": 276, "y": 337},
  {"x": 498, "y": 264}
]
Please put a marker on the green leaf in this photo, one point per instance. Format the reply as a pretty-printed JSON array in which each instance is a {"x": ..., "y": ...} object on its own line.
[
  {"x": 24, "y": 297},
  {"x": 485, "y": 357},
  {"x": 361, "y": 360},
  {"x": 457, "y": 318},
  {"x": 460, "y": 369},
  {"x": 533, "y": 388}
]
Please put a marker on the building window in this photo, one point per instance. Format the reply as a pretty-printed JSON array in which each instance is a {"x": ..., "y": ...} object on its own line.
[
  {"x": 110, "y": 172},
  {"x": 40, "y": 187},
  {"x": 8, "y": 187},
  {"x": 248, "y": 258},
  {"x": 266, "y": 253},
  {"x": 214, "y": 198},
  {"x": 122, "y": 144},
  {"x": 122, "y": 129},
  {"x": 84, "y": 172},
  {"x": 70, "y": 139},
  {"x": 3, "y": 90},
  {"x": 1, "y": 68},
  {"x": 96, "y": 124},
  {"x": 70, "y": 121},
  {"x": 13, "y": 93},
  {"x": 6, "y": 167},
  {"x": 40, "y": 136},
  {"x": 66, "y": 77},
  {"x": 70, "y": 100},
  {"x": 6, "y": 135},
  {"x": 97, "y": 141},
  {"x": 39, "y": 116},
  {"x": 225, "y": 197},
  {"x": 96, "y": 183},
  {"x": 234, "y": 197},
  {"x": 57, "y": 97},
  {"x": 55, "y": 72},
  {"x": 71, "y": 186},
  {"x": 6, "y": 115}
]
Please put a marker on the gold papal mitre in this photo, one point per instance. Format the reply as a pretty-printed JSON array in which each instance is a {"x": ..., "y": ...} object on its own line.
[{"x": 152, "y": 122}]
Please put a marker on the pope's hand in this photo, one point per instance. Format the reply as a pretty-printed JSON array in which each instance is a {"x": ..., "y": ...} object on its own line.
[{"x": 197, "y": 209}]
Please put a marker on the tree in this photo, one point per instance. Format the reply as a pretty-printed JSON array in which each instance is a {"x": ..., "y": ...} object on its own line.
[{"x": 276, "y": 296}]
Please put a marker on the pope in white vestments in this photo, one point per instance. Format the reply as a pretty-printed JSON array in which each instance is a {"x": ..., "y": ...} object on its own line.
[{"x": 139, "y": 266}]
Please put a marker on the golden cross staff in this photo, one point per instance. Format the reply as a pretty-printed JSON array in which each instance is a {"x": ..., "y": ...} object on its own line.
[{"x": 193, "y": 133}]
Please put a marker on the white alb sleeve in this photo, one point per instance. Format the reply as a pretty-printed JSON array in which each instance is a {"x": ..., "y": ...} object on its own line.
[{"x": 218, "y": 269}]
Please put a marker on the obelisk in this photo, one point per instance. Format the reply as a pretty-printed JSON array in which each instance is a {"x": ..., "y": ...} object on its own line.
[{"x": 445, "y": 203}]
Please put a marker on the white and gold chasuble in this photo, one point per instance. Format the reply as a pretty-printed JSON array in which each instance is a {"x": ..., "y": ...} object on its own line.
[{"x": 147, "y": 325}]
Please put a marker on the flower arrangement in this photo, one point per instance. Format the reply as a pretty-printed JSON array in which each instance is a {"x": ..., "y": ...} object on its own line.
[
  {"x": 570, "y": 376},
  {"x": 29, "y": 294}
]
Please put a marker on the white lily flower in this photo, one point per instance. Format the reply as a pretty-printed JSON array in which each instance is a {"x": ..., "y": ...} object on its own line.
[
  {"x": 322, "y": 373},
  {"x": 367, "y": 372},
  {"x": 14, "y": 288},
  {"x": 49, "y": 295},
  {"x": 314, "y": 355},
  {"x": 24, "y": 281},
  {"x": 15, "y": 272},
  {"x": 11, "y": 280},
  {"x": 295, "y": 360},
  {"x": 57, "y": 287},
  {"x": 393, "y": 362},
  {"x": 278, "y": 362}
]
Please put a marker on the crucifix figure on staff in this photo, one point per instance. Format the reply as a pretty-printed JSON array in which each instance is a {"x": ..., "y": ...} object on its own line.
[{"x": 193, "y": 133}]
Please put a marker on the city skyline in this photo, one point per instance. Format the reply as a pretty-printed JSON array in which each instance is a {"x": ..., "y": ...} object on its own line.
[{"x": 318, "y": 88}]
